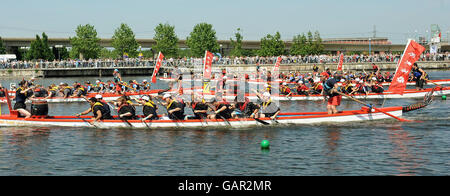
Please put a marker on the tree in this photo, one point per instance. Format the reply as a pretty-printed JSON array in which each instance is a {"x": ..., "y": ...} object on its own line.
[
  {"x": 272, "y": 45},
  {"x": 202, "y": 38},
  {"x": 86, "y": 43},
  {"x": 39, "y": 49},
  {"x": 317, "y": 46},
  {"x": 124, "y": 41},
  {"x": 166, "y": 40},
  {"x": 2, "y": 47},
  {"x": 35, "y": 50},
  {"x": 47, "y": 53},
  {"x": 298, "y": 45},
  {"x": 237, "y": 45}
]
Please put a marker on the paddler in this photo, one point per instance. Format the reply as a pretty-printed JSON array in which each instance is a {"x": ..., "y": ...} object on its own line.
[
  {"x": 330, "y": 89},
  {"x": 419, "y": 76},
  {"x": 66, "y": 90},
  {"x": 285, "y": 90},
  {"x": 39, "y": 92},
  {"x": 21, "y": 97},
  {"x": 98, "y": 109},
  {"x": 222, "y": 110},
  {"x": 79, "y": 89},
  {"x": 376, "y": 86},
  {"x": 268, "y": 108},
  {"x": 52, "y": 91},
  {"x": 149, "y": 108},
  {"x": 199, "y": 107},
  {"x": 175, "y": 109},
  {"x": 245, "y": 109},
  {"x": 125, "y": 110},
  {"x": 302, "y": 89}
]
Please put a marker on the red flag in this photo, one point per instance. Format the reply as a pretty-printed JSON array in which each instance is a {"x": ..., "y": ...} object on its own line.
[
  {"x": 277, "y": 65},
  {"x": 157, "y": 66},
  {"x": 341, "y": 61},
  {"x": 410, "y": 55},
  {"x": 207, "y": 66}
]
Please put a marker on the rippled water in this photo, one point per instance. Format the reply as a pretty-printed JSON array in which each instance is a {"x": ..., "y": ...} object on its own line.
[{"x": 386, "y": 147}]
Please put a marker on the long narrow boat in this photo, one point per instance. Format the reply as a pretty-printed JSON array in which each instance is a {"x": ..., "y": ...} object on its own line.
[
  {"x": 412, "y": 93},
  {"x": 260, "y": 81},
  {"x": 365, "y": 114}
]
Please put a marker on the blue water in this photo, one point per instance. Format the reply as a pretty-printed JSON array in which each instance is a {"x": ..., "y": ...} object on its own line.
[{"x": 386, "y": 147}]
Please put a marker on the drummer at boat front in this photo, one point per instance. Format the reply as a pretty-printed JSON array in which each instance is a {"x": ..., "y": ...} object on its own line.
[
  {"x": 98, "y": 109},
  {"x": 21, "y": 97},
  {"x": 117, "y": 76},
  {"x": 330, "y": 90}
]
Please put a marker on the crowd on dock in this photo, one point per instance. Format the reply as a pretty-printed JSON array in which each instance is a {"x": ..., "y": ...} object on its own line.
[{"x": 218, "y": 60}]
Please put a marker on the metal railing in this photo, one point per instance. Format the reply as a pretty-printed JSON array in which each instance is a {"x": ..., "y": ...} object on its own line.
[{"x": 190, "y": 62}]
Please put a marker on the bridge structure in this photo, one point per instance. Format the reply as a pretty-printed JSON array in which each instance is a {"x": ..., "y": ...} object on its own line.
[{"x": 334, "y": 45}]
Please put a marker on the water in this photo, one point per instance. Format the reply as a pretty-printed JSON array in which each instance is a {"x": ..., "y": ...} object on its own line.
[{"x": 386, "y": 147}]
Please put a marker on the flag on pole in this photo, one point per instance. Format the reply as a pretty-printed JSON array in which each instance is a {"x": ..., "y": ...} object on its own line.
[
  {"x": 157, "y": 66},
  {"x": 207, "y": 69},
  {"x": 341, "y": 61},
  {"x": 207, "y": 65},
  {"x": 411, "y": 54},
  {"x": 277, "y": 65}
]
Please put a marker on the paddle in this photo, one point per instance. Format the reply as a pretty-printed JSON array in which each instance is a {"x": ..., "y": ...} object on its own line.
[
  {"x": 87, "y": 121},
  {"x": 371, "y": 106},
  {"x": 437, "y": 85},
  {"x": 261, "y": 121}
]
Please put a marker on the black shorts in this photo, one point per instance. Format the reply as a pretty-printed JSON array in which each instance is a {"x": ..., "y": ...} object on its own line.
[
  {"x": 223, "y": 115},
  {"x": 419, "y": 83},
  {"x": 20, "y": 106}
]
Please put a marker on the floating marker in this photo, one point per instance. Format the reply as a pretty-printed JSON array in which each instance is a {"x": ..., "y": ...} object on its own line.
[{"x": 265, "y": 144}]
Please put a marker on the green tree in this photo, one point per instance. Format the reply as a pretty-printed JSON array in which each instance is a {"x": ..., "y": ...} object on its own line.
[
  {"x": 317, "y": 46},
  {"x": 203, "y": 37},
  {"x": 2, "y": 47},
  {"x": 237, "y": 45},
  {"x": 166, "y": 40},
  {"x": 47, "y": 52},
  {"x": 272, "y": 45},
  {"x": 39, "y": 49},
  {"x": 124, "y": 41},
  {"x": 86, "y": 43},
  {"x": 298, "y": 45}
]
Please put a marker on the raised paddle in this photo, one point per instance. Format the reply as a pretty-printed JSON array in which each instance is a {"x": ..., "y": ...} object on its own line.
[{"x": 376, "y": 109}]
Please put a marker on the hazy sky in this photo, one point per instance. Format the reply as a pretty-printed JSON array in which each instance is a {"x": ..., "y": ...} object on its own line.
[{"x": 395, "y": 19}]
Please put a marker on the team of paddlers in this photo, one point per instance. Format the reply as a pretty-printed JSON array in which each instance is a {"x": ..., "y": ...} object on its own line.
[{"x": 325, "y": 83}]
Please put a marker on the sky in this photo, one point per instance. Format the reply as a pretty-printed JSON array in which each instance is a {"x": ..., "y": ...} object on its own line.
[{"x": 397, "y": 20}]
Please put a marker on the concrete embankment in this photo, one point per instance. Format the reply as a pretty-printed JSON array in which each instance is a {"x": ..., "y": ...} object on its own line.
[{"x": 130, "y": 71}]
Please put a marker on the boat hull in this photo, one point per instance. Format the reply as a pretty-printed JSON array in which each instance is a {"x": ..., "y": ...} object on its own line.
[{"x": 284, "y": 119}]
